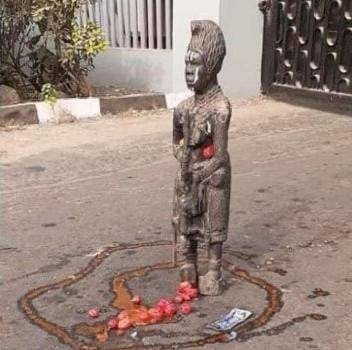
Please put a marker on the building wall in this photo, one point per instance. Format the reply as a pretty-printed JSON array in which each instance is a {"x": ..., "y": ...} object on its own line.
[
  {"x": 242, "y": 24},
  {"x": 135, "y": 68},
  {"x": 163, "y": 70}
]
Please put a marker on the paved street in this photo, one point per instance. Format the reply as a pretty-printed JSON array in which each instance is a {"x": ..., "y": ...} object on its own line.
[{"x": 68, "y": 191}]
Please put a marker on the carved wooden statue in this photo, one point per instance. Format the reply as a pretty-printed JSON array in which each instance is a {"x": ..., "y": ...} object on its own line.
[{"x": 200, "y": 137}]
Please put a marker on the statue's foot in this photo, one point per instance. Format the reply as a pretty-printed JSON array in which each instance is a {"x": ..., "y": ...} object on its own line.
[
  {"x": 188, "y": 273},
  {"x": 211, "y": 284}
]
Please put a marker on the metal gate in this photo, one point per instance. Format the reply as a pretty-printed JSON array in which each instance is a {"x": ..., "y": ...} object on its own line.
[{"x": 308, "y": 47}]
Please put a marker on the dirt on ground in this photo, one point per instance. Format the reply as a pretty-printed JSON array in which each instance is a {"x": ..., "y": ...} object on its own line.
[{"x": 83, "y": 203}]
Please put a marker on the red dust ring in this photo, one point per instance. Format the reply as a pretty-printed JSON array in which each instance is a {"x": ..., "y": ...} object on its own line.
[{"x": 274, "y": 304}]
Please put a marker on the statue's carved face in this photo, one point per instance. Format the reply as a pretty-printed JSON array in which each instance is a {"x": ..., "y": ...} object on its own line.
[{"x": 197, "y": 77}]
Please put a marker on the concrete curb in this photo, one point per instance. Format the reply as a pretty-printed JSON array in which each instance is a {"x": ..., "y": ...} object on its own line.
[
  {"x": 78, "y": 108},
  {"x": 117, "y": 104},
  {"x": 83, "y": 108},
  {"x": 20, "y": 114},
  {"x": 42, "y": 112}
]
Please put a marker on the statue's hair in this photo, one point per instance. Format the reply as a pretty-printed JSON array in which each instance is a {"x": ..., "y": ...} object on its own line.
[{"x": 208, "y": 38}]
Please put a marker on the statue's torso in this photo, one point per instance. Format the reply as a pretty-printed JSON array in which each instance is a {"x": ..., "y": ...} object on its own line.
[{"x": 203, "y": 115}]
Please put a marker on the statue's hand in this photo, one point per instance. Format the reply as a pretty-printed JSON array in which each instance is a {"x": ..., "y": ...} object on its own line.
[
  {"x": 186, "y": 179},
  {"x": 196, "y": 178},
  {"x": 178, "y": 151},
  {"x": 198, "y": 166}
]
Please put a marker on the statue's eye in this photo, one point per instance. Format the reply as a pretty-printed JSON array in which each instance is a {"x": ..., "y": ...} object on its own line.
[{"x": 188, "y": 58}]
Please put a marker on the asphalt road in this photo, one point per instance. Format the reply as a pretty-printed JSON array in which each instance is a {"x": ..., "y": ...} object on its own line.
[{"x": 67, "y": 191}]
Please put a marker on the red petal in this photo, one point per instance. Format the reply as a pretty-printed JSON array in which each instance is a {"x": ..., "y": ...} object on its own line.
[
  {"x": 125, "y": 324},
  {"x": 162, "y": 304},
  {"x": 170, "y": 310},
  {"x": 185, "y": 296},
  {"x": 113, "y": 323},
  {"x": 178, "y": 299},
  {"x": 185, "y": 285},
  {"x": 94, "y": 313},
  {"x": 185, "y": 309},
  {"x": 144, "y": 316},
  {"x": 193, "y": 293},
  {"x": 157, "y": 314},
  {"x": 136, "y": 299}
]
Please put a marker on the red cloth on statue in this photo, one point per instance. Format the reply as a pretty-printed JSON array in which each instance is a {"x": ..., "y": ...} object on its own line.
[{"x": 208, "y": 151}]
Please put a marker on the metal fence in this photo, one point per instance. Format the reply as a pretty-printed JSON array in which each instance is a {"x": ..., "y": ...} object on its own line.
[{"x": 138, "y": 24}]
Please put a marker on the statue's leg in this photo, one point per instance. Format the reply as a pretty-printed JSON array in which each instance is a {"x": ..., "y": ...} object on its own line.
[
  {"x": 212, "y": 283},
  {"x": 188, "y": 270},
  {"x": 215, "y": 261},
  {"x": 216, "y": 222}
]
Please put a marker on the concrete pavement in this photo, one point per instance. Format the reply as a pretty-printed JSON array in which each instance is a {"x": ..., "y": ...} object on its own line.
[{"x": 68, "y": 191}]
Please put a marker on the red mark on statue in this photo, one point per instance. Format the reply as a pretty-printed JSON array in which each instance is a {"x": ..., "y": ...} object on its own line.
[{"x": 208, "y": 151}]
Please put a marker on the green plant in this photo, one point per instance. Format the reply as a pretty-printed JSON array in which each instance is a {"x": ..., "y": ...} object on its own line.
[
  {"x": 53, "y": 48},
  {"x": 15, "y": 40},
  {"x": 74, "y": 46},
  {"x": 87, "y": 42},
  {"x": 49, "y": 94}
]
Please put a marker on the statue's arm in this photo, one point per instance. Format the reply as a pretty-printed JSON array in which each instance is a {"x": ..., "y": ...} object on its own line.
[
  {"x": 177, "y": 135},
  {"x": 220, "y": 141}
]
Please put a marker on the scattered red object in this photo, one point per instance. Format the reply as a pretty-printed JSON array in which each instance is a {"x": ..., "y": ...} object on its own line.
[
  {"x": 136, "y": 299},
  {"x": 208, "y": 151},
  {"x": 178, "y": 299},
  {"x": 113, "y": 323},
  {"x": 185, "y": 285},
  {"x": 163, "y": 309},
  {"x": 162, "y": 304},
  {"x": 94, "y": 313},
  {"x": 184, "y": 296},
  {"x": 156, "y": 313},
  {"x": 185, "y": 309},
  {"x": 160, "y": 310},
  {"x": 170, "y": 310},
  {"x": 166, "y": 307},
  {"x": 186, "y": 291},
  {"x": 193, "y": 293},
  {"x": 144, "y": 316},
  {"x": 125, "y": 324},
  {"x": 122, "y": 315}
]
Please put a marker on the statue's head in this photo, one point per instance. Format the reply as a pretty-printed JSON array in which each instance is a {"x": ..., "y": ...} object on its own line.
[{"x": 205, "y": 55}]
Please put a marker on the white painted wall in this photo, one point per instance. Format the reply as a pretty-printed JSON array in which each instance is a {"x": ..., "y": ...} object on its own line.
[
  {"x": 163, "y": 70},
  {"x": 135, "y": 68},
  {"x": 242, "y": 24}
]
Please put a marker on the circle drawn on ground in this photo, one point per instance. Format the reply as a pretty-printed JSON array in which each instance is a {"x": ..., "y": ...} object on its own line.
[{"x": 74, "y": 338}]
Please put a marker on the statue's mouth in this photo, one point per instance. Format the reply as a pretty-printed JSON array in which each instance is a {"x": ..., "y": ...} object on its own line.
[{"x": 190, "y": 79}]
